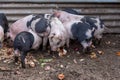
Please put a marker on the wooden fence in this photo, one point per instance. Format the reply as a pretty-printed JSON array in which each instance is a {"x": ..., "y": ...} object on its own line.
[{"x": 108, "y": 12}]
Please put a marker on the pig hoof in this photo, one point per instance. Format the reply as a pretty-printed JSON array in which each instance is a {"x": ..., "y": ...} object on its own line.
[
  {"x": 23, "y": 66},
  {"x": 16, "y": 59}
]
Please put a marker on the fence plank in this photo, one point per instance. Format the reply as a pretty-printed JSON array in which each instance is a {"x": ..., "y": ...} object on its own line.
[{"x": 108, "y": 12}]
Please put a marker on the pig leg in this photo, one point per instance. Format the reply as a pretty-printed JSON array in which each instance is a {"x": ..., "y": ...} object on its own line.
[
  {"x": 16, "y": 55},
  {"x": 23, "y": 56},
  {"x": 45, "y": 39},
  {"x": 67, "y": 43},
  {"x": 94, "y": 41},
  {"x": 97, "y": 40}
]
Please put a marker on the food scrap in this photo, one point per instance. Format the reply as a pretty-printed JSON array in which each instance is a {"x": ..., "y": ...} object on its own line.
[
  {"x": 32, "y": 64},
  {"x": 101, "y": 52},
  {"x": 93, "y": 55},
  {"x": 4, "y": 69},
  {"x": 61, "y": 76},
  {"x": 62, "y": 52},
  {"x": 118, "y": 53}
]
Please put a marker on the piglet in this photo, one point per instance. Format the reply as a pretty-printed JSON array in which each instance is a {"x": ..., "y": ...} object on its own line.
[
  {"x": 3, "y": 27},
  {"x": 98, "y": 25},
  {"x": 58, "y": 36},
  {"x": 84, "y": 34},
  {"x": 40, "y": 25},
  {"x": 23, "y": 43}
]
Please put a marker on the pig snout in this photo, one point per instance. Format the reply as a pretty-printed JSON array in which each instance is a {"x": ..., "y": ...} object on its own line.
[
  {"x": 54, "y": 48},
  {"x": 86, "y": 46}
]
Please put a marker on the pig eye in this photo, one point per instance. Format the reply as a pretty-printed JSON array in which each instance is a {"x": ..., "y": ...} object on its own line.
[
  {"x": 52, "y": 36},
  {"x": 59, "y": 41}
]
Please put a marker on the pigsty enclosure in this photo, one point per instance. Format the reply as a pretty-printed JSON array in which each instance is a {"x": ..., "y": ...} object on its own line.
[
  {"x": 108, "y": 12},
  {"x": 74, "y": 66}
]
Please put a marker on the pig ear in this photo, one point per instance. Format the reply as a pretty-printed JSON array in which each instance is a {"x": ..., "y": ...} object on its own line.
[
  {"x": 61, "y": 37},
  {"x": 56, "y": 13}
]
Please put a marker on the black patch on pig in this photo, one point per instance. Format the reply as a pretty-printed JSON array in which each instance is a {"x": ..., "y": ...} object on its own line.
[
  {"x": 23, "y": 42},
  {"x": 79, "y": 31},
  {"x": 90, "y": 21},
  {"x": 20, "y": 44},
  {"x": 4, "y": 22},
  {"x": 72, "y": 11},
  {"x": 41, "y": 25},
  {"x": 34, "y": 18}
]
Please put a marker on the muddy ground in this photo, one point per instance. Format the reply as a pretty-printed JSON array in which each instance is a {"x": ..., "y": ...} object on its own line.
[{"x": 74, "y": 65}]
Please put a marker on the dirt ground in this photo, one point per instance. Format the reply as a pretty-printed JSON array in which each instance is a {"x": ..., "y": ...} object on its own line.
[{"x": 74, "y": 65}]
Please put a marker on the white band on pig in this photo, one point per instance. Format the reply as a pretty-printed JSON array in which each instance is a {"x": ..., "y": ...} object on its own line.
[
  {"x": 23, "y": 39},
  {"x": 37, "y": 40},
  {"x": 34, "y": 23}
]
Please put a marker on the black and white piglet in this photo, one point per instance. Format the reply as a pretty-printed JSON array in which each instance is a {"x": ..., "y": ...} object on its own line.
[
  {"x": 3, "y": 27},
  {"x": 97, "y": 23},
  {"x": 84, "y": 34},
  {"x": 93, "y": 22},
  {"x": 40, "y": 25},
  {"x": 23, "y": 43}
]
